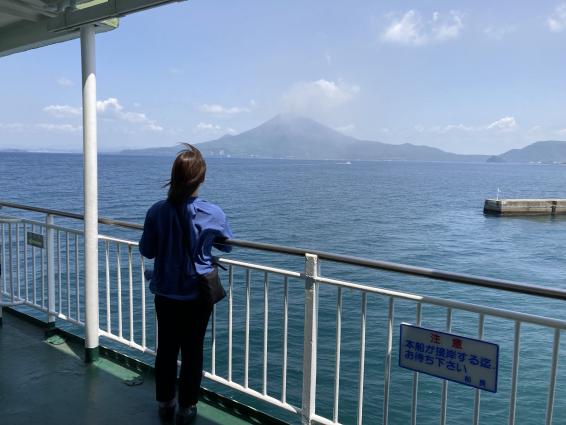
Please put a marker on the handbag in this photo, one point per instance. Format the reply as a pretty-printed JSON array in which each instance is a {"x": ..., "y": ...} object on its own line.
[{"x": 210, "y": 286}]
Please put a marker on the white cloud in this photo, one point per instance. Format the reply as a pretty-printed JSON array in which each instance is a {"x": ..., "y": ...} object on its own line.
[
  {"x": 153, "y": 126},
  {"x": 407, "y": 30},
  {"x": 217, "y": 109},
  {"x": 208, "y": 129},
  {"x": 14, "y": 126},
  {"x": 114, "y": 108},
  {"x": 562, "y": 132},
  {"x": 503, "y": 124},
  {"x": 451, "y": 127},
  {"x": 411, "y": 29},
  {"x": 61, "y": 111},
  {"x": 110, "y": 107},
  {"x": 447, "y": 29},
  {"x": 110, "y": 104},
  {"x": 557, "y": 21},
  {"x": 498, "y": 33},
  {"x": 65, "y": 128},
  {"x": 65, "y": 82},
  {"x": 134, "y": 117},
  {"x": 345, "y": 128},
  {"x": 460, "y": 126},
  {"x": 207, "y": 126},
  {"x": 306, "y": 97}
]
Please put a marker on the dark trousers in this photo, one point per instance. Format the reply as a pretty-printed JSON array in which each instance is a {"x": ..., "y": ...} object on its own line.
[{"x": 181, "y": 325}]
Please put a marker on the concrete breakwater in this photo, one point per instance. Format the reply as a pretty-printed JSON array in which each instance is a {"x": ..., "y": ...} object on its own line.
[{"x": 524, "y": 206}]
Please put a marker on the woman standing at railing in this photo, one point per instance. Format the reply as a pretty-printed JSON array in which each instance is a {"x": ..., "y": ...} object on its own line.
[{"x": 179, "y": 234}]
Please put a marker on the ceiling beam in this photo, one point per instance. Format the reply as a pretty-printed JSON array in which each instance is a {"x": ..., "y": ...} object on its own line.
[
  {"x": 105, "y": 10},
  {"x": 65, "y": 25},
  {"x": 31, "y": 35},
  {"x": 17, "y": 10}
]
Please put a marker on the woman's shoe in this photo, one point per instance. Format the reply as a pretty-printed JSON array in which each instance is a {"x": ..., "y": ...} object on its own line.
[
  {"x": 185, "y": 415},
  {"x": 166, "y": 410}
]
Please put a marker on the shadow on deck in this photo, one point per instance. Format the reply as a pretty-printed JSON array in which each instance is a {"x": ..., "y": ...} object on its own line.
[{"x": 46, "y": 381}]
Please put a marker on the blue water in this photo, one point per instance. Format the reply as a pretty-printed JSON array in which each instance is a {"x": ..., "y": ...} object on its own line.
[{"x": 424, "y": 214}]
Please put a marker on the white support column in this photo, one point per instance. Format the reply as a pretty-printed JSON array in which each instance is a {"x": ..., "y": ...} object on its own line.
[
  {"x": 90, "y": 192},
  {"x": 310, "y": 340}
]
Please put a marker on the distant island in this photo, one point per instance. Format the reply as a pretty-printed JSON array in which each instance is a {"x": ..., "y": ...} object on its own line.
[{"x": 546, "y": 152}]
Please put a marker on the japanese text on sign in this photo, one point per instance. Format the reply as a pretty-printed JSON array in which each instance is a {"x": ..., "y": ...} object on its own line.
[
  {"x": 460, "y": 359},
  {"x": 34, "y": 239}
]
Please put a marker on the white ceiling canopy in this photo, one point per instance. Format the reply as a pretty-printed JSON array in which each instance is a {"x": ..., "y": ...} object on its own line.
[{"x": 28, "y": 24}]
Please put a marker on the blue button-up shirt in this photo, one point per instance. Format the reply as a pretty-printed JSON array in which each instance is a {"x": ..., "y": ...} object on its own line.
[{"x": 162, "y": 239}]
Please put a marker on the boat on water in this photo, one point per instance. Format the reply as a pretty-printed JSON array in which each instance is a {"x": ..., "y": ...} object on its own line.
[{"x": 71, "y": 293}]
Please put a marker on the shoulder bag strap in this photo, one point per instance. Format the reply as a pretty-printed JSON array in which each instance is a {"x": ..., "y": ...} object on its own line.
[
  {"x": 185, "y": 233},
  {"x": 187, "y": 238}
]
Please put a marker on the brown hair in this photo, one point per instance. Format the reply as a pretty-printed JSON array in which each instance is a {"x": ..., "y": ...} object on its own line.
[{"x": 187, "y": 174}]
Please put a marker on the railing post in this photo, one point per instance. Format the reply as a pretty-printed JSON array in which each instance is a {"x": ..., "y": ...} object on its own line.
[
  {"x": 50, "y": 247},
  {"x": 310, "y": 340}
]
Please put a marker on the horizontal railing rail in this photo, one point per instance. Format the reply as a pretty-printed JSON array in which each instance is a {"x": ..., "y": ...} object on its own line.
[
  {"x": 67, "y": 214},
  {"x": 281, "y": 368},
  {"x": 468, "y": 279}
]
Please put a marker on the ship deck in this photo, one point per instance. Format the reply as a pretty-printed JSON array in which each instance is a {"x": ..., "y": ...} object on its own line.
[{"x": 47, "y": 381}]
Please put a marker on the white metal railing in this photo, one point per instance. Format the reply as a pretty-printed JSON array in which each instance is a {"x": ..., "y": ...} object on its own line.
[
  {"x": 45, "y": 278},
  {"x": 243, "y": 355},
  {"x": 133, "y": 336}
]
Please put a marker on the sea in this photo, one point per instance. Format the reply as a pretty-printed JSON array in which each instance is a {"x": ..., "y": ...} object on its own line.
[{"x": 427, "y": 214}]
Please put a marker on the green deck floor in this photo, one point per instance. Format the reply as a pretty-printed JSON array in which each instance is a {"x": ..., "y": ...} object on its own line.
[{"x": 42, "y": 383}]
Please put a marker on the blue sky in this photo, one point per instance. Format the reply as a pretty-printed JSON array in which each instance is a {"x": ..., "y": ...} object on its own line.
[{"x": 466, "y": 77}]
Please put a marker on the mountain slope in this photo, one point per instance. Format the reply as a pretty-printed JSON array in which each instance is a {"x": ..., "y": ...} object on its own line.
[
  {"x": 290, "y": 136},
  {"x": 545, "y": 151}
]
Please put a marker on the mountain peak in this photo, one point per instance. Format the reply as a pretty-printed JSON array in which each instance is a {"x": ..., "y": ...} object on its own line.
[
  {"x": 285, "y": 116},
  {"x": 292, "y": 129},
  {"x": 290, "y": 119}
]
